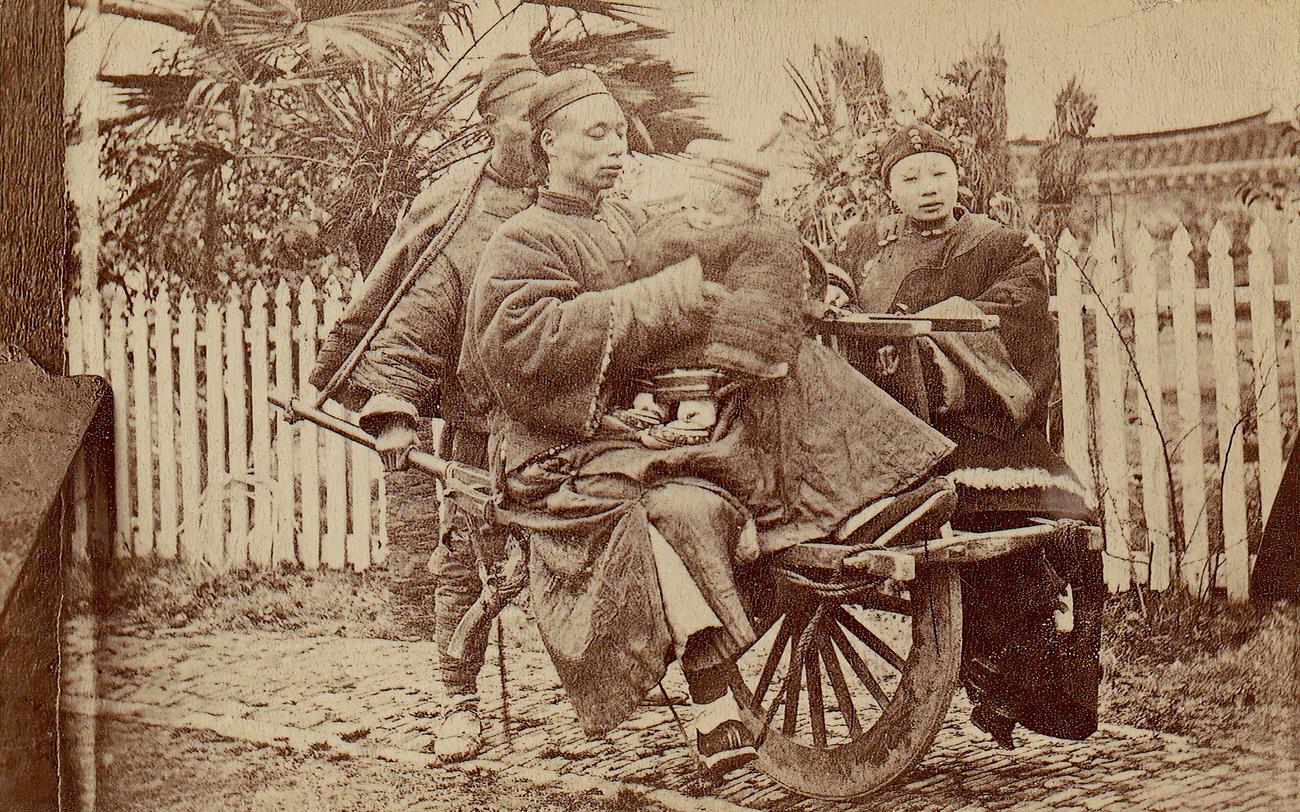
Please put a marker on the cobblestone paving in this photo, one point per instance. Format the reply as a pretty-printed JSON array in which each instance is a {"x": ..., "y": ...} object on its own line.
[{"x": 384, "y": 694}]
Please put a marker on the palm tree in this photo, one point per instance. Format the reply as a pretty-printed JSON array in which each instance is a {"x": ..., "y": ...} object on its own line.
[
  {"x": 1061, "y": 161},
  {"x": 307, "y": 125},
  {"x": 847, "y": 115},
  {"x": 844, "y": 120},
  {"x": 973, "y": 101}
]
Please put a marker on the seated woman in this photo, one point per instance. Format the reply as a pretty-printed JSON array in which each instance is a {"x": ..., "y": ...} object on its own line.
[{"x": 990, "y": 393}]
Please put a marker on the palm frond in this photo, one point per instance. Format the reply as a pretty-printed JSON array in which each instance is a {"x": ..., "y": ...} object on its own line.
[
  {"x": 617, "y": 10},
  {"x": 656, "y": 96}
]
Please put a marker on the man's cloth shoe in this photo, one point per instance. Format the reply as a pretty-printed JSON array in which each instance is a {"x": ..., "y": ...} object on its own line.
[
  {"x": 722, "y": 739},
  {"x": 460, "y": 736},
  {"x": 726, "y": 747}
]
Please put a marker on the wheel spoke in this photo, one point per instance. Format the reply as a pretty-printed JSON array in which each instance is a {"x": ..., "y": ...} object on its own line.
[
  {"x": 885, "y": 603},
  {"x": 859, "y": 666},
  {"x": 773, "y": 660},
  {"x": 866, "y": 636},
  {"x": 794, "y": 679},
  {"x": 816, "y": 708},
  {"x": 843, "y": 696}
]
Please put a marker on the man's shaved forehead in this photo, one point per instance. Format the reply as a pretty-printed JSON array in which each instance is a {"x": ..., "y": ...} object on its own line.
[{"x": 586, "y": 112}]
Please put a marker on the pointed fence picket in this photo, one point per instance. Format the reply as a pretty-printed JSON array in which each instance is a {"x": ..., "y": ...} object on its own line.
[
  {"x": 309, "y": 551},
  {"x": 1152, "y": 370},
  {"x": 1227, "y": 390},
  {"x": 1074, "y": 384},
  {"x": 1150, "y": 410},
  {"x": 123, "y": 542},
  {"x": 237, "y": 430},
  {"x": 1190, "y": 448},
  {"x": 1268, "y": 399},
  {"x": 262, "y": 533},
  {"x": 334, "y": 458},
  {"x": 213, "y": 510},
  {"x": 80, "y": 532},
  {"x": 360, "y": 482},
  {"x": 1112, "y": 379},
  {"x": 141, "y": 409},
  {"x": 164, "y": 382},
  {"x": 283, "y": 542},
  {"x": 188, "y": 430}
]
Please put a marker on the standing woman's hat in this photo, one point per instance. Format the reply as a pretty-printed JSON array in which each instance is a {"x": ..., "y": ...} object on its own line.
[
  {"x": 502, "y": 68},
  {"x": 559, "y": 90},
  {"x": 911, "y": 140}
]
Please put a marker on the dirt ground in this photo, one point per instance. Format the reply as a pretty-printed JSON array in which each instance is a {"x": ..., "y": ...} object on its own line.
[
  {"x": 1221, "y": 674},
  {"x": 153, "y": 769}
]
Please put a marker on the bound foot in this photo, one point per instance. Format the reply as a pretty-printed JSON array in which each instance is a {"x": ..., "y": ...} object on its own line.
[
  {"x": 993, "y": 722},
  {"x": 673, "y": 435},
  {"x": 460, "y": 736}
]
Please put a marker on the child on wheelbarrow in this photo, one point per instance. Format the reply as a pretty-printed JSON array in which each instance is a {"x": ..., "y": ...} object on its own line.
[{"x": 825, "y": 451}]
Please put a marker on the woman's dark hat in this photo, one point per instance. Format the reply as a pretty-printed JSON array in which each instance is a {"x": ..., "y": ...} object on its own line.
[{"x": 911, "y": 140}]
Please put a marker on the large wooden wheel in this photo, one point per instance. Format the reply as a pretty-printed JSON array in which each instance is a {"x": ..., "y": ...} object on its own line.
[{"x": 862, "y": 674}]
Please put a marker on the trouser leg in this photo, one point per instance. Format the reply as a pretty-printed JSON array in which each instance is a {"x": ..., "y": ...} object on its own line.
[{"x": 459, "y": 583}]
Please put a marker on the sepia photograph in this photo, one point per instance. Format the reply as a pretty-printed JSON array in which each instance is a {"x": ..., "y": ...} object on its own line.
[{"x": 589, "y": 405}]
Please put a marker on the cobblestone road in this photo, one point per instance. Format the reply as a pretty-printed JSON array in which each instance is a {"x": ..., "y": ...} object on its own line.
[{"x": 378, "y": 696}]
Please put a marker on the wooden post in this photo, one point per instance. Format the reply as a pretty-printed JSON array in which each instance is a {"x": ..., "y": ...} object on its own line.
[
  {"x": 164, "y": 382},
  {"x": 214, "y": 493},
  {"x": 334, "y": 458},
  {"x": 237, "y": 428},
  {"x": 1150, "y": 408},
  {"x": 309, "y": 538},
  {"x": 1191, "y": 456},
  {"x": 286, "y": 469},
  {"x": 1268, "y": 397},
  {"x": 186, "y": 345},
  {"x": 1112, "y": 377},
  {"x": 1227, "y": 389},
  {"x": 1293, "y": 280},
  {"x": 1074, "y": 386},
  {"x": 122, "y": 543}
]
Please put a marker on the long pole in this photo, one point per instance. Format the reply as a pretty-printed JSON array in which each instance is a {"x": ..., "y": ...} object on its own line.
[{"x": 422, "y": 460}]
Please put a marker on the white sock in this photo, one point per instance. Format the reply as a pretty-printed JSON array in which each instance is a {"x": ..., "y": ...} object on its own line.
[{"x": 711, "y": 714}]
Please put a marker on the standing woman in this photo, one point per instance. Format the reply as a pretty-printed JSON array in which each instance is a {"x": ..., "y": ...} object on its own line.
[{"x": 988, "y": 393}]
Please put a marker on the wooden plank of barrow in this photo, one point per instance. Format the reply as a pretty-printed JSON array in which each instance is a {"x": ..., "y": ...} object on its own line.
[{"x": 900, "y": 563}]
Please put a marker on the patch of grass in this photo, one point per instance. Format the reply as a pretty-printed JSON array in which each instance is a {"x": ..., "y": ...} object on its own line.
[
  {"x": 157, "y": 595},
  {"x": 1212, "y": 670}
]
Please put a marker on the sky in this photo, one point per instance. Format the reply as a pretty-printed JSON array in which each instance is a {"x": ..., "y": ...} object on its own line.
[{"x": 1153, "y": 64}]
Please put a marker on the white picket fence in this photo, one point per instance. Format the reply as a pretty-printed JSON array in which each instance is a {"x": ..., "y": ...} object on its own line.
[
  {"x": 205, "y": 468},
  {"x": 1147, "y": 380},
  {"x": 200, "y": 485}
]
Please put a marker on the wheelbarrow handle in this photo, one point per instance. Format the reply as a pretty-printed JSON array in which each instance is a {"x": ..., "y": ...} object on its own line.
[{"x": 295, "y": 410}]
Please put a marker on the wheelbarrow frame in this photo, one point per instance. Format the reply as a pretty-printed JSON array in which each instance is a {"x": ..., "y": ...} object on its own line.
[{"x": 821, "y": 580}]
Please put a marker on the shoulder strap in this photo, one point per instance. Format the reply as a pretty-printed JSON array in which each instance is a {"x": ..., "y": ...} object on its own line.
[{"x": 422, "y": 264}]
